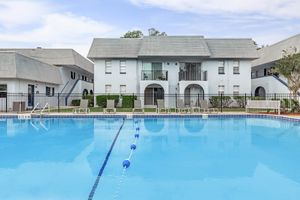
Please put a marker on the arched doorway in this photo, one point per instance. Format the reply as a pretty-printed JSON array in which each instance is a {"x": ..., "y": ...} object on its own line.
[
  {"x": 85, "y": 92},
  {"x": 260, "y": 92},
  {"x": 193, "y": 93},
  {"x": 152, "y": 93}
]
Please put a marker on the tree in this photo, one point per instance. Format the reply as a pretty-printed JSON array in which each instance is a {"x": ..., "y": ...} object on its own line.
[
  {"x": 134, "y": 34},
  {"x": 289, "y": 67},
  {"x": 154, "y": 32}
]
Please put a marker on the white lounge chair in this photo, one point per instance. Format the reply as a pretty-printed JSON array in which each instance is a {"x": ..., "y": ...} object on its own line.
[
  {"x": 161, "y": 106},
  {"x": 181, "y": 107},
  {"x": 110, "y": 107},
  {"x": 83, "y": 107},
  {"x": 138, "y": 107},
  {"x": 204, "y": 106}
]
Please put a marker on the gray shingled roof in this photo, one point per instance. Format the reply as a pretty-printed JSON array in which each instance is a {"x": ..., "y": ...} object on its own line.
[
  {"x": 173, "y": 46},
  {"x": 232, "y": 48},
  {"x": 14, "y": 65},
  {"x": 58, "y": 57},
  {"x": 275, "y": 52},
  {"x": 115, "y": 48}
]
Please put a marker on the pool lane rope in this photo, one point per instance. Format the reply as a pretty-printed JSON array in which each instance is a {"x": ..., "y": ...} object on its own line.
[
  {"x": 92, "y": 193},
  {"x": 126, "y": 162}
]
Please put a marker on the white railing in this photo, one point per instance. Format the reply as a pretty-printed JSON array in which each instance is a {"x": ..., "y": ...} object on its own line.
[
  {"x": 44, "y": 108},
  {"x": 35, "y": 107}
]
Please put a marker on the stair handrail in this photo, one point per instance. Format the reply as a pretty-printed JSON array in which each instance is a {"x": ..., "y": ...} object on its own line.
[
  {"x": 34, "y": 108},
  {"x": 44, "y": 108}
]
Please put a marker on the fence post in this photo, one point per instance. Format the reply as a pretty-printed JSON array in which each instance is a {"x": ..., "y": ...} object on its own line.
[
  {"x": 198, "y": 100},
  {"x": 6, "y": 103},
  {"x": 175, "y": 100},
  {"x": 58, "y": 102},
  {"x": 221, "y": 102},
  {"x": 275, "y": 96},
  {"x": 133, "y": 100},
  {"x": 245, "y": 103}
]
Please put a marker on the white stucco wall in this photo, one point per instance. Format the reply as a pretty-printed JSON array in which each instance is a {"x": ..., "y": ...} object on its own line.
[
  {"x": 134, "y": 84},
  {"x": 17, "y": 90},
  {"x": 228, "y": 79},
  {"x": 115, "y": 79},
  {"x": 270, "y": 84}
]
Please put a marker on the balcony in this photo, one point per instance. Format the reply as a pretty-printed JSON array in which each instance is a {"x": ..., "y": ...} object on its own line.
[
  {"x": 192, "y": 76},
  {"x": 154, "y": 75}
]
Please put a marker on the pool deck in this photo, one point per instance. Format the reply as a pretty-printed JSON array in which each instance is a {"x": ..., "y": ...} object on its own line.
[{"x": 151, "y": 114}]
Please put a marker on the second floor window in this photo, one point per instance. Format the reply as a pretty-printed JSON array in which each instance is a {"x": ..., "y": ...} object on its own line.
[
  {"x": 108, "y": 67},
  {"x": 73, "y": 75},
  {"x": 221, "y": 67},
  {"x": 236, "y": 67},
  {"x": 122, "y": 67}
]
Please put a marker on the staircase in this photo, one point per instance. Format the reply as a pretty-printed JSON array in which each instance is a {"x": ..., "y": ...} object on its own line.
[
  {"x": 282, "y": 81},
  {"x": 70, "y": 92}
]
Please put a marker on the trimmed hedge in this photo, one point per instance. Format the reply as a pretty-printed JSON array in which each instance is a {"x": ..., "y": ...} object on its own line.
[
  {"x": 215, "y": 101},
  {"x": 127, "y": 100},
  {"x": 240, "y": 100},
  {"x": 75, "y": 102}
]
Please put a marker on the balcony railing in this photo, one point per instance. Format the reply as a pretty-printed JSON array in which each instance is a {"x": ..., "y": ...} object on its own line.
[
  {"x": 159, "y": 75},
  {"x": 192, "y": 76}
]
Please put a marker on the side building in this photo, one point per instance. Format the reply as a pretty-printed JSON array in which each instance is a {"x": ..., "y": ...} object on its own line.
[
  {"x": 264, "y": 82},
  {"x": 32, "y": 76},
  {"x": 163, "y": 66}
]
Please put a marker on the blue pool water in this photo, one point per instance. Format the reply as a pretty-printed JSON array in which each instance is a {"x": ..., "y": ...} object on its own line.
[{"x": 176, "y": 158}]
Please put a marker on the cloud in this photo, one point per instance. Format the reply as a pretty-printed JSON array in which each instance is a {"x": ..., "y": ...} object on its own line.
[
  {"x": 273, "y": 8},
  {"x": 50, "y": 29}
]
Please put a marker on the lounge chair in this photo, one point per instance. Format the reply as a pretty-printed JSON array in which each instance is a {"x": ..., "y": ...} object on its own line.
[
  {"x": 83, "y": 107},
  {"x": 110, "y": 107},
  {"x": 195, "y": 107},
  {"x": 181, "y": 108},
  {"x": 204, "y": 106},
  {"x": 138, "y": 107},
  {"x": 161, "y": 106}
]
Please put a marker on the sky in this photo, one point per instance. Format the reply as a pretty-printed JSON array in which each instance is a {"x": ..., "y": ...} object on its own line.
[{"x": 74, "y": 23}]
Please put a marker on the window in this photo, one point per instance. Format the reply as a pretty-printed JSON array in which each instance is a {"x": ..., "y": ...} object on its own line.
[
  {"x": 108, "y": 67},
  {"x": 221, "y": 89},
  {"x": 50, "y": 91},
  {"x": 236, "y": 67},
  {"x": 107, "y": 88},
  {"x": 122, "y": 88},
  {"x": 3, "y": 91},
  {"x": 73, "y": 75},
  {"x": 221, "y": 67},
  {"x": 236, "y": 90},
  {"x": 122, "y": 67}
]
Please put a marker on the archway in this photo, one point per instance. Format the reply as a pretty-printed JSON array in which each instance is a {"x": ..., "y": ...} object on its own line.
[
  {"x": 193, "y": 93},
  {"x": 85, "y": 92},
  {"x": 152, "y": 93},
  {"x": 260, "y": 92}
]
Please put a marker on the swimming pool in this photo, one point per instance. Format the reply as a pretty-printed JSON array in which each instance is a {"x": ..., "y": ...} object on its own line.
[{"x": 176, "y": 158}]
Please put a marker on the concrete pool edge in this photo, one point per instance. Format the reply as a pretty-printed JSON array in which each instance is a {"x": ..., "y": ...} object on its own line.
[{"x": 153, "y": 115}]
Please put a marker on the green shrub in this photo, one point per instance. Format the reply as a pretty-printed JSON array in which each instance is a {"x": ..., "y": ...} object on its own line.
[
  {"x": 240, "y": 100},
  {"x": 215, "y": 101},
  {"x": 127, "y": 100},
  {"x": 75, "y": 102}
]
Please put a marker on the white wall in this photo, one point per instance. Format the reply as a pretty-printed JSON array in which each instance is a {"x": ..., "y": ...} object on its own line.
[
  {"x": 130, "y": 79},
  {"x": 270, "y": 84},
  {"x": 18, "y": 91},
  {"x": 228, "y": 79}
]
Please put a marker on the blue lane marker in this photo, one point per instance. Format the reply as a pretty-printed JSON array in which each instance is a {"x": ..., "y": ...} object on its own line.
[{"x": 91, "y": 195}]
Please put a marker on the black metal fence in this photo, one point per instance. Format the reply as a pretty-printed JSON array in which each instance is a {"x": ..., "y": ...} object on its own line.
[{"x": 64, "y": 102}]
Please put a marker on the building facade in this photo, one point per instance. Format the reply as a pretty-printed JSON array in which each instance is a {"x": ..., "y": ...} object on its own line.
[
  {"x": 263, "y": 80},
  {"x": 33, "y": 76},
  {"x": 161, "y": 66}
]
